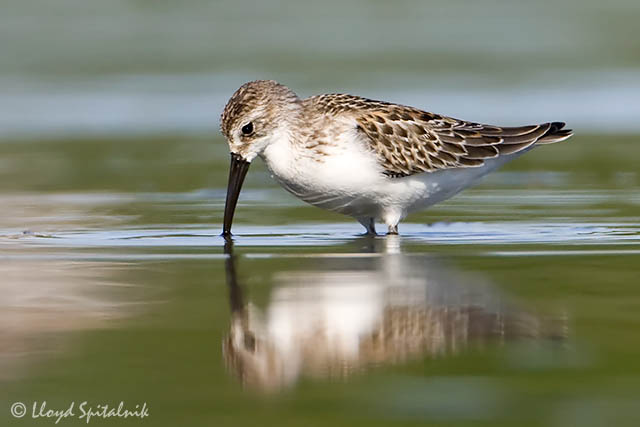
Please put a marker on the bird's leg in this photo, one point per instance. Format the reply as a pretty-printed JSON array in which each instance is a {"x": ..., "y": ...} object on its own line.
[
  {"x": 392, "y": 218},
  {"x": 370, "y": 224}
]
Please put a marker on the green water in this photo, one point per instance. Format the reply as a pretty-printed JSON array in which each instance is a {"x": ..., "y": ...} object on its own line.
[
  {"x": 515, "y": 303},
  {"x": 116, "y": 288}
]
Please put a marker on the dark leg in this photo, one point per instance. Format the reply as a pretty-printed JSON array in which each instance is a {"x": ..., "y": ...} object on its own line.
[
  {"x": 369, "y": 224},
  {"x": 393, "y": 229}
]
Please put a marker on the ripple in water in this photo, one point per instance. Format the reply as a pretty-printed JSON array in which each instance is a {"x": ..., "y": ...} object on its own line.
[{"x": 491, "y": 233}]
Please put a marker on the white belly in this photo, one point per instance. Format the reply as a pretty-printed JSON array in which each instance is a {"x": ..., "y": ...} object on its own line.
[{"x": 349, "y": 180}]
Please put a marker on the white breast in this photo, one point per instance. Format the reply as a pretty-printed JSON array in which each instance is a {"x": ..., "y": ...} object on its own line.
[
  {"x": 348, "y": 179},
  {"x": 344, "y": 179}
]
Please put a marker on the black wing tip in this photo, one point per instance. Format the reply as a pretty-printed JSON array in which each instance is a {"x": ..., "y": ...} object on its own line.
[{"x": 556, "y": 133}]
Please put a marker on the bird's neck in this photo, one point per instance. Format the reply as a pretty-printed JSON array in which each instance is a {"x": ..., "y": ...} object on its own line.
[{"x": 281, "y": 155}]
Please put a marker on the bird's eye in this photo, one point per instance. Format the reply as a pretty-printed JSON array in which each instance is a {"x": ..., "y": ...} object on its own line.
[{"x": 247, "y": 129}]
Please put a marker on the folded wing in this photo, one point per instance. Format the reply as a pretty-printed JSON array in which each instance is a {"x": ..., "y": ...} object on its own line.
[{"x": 407, "y": 140}]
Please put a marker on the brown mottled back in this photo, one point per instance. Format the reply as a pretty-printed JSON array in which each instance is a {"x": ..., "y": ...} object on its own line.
[{"x": 407, "y": 140}]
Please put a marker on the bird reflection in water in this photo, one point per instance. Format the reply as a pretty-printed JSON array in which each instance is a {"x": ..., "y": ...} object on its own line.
[{"x": 385, "y": 307}]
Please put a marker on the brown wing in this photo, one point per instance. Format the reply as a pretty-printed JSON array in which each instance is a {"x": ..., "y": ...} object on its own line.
[{"x": 409, "y": 141}]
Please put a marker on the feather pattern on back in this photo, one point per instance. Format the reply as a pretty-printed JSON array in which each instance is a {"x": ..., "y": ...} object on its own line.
[{"x": 409, "y": 141}]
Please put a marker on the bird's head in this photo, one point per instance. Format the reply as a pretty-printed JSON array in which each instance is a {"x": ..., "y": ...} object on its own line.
[{"x": 256, "y": 115}]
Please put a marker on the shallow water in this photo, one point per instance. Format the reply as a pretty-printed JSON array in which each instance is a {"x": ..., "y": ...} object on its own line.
[{"x": 515, "y": 302}]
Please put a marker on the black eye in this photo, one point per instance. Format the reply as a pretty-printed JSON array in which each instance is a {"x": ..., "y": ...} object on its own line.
[{"x": 247, "y": 129}]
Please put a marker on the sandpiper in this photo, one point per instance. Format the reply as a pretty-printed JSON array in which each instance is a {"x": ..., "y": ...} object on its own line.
[{"x": 372, "y": 160}]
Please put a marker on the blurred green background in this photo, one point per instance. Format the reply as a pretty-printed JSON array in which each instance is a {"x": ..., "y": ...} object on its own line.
[
  {"x": 113, "y": 280},
  {"x": 131, "y": 67}
]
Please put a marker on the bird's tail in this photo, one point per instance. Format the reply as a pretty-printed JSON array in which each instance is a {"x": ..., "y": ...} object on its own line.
[{"x": 556, "y": 133}]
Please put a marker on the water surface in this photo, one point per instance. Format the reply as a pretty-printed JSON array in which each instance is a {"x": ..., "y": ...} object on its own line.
[{"x": 515, "y": 302}]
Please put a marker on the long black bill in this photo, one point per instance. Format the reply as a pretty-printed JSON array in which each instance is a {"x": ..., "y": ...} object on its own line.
[{"x": 237, "y": 171}]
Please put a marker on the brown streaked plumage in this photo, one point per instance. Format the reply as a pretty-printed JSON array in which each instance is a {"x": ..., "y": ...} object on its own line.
[
  {"x": 267, "y": 94},
  {"x": 407, "y": 140}
]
